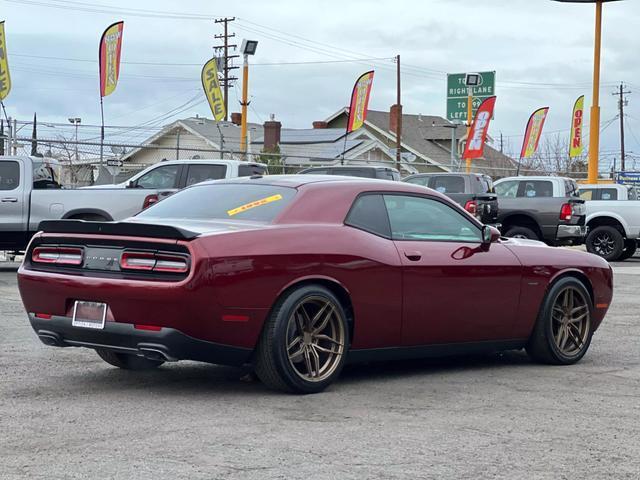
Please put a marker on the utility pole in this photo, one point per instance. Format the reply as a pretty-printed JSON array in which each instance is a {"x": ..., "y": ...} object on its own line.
[
  {"x": 622, "y": 102},
  {"x": 399, "y": 116},
  {"x": 501, "y": 144},
  {"x": 226, "y": 80}
]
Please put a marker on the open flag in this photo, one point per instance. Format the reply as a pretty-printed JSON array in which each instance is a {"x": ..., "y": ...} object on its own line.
[
  {"x": 109, "y": 58},
  {"x": 478, "y": 133},
  {"x": 533, "y": 132}
]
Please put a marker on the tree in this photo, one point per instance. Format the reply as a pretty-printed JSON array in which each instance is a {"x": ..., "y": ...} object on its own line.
[{"x": 273, "y": 159}]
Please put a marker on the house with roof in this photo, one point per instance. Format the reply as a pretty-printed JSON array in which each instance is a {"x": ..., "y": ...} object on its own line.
[{"x": 426, "y": 143}]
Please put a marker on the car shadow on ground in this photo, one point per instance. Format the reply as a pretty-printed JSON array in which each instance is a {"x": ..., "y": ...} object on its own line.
[{"x": 192, "y": 379}]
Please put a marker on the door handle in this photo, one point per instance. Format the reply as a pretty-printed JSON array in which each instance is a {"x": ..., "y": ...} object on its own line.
[
  {"x": 9, "y": 200},
  {"x": 413, "y": 256}
]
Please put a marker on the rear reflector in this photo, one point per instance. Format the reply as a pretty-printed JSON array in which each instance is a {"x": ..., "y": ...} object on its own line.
[
  {"x": 57, "y": 255},
  {"x": 149, "y": 200},
  {"x": 156, "y": 262},
  {"x": 44, "y": 316},
  {"x": 153, "y": 328}
]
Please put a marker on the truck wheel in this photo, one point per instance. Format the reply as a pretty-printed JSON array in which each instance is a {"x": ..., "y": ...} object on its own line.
[
  {"x": 630, "y": 247},
  {"x": 521, "y": 232},
  {"x": 606, "y": 242}
]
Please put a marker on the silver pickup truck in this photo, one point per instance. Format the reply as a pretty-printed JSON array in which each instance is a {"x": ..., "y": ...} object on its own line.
[
  {"x": 29, "y": 194},
  {"x": 613, "y": 218}
]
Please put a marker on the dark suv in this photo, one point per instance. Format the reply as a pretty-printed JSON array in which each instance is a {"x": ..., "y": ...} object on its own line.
[
  {"x": 473, "y": 191},
  {"x": 365, "y": 171}
]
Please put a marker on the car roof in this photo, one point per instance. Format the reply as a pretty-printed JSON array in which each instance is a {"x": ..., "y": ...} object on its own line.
[
  {"x": 350, "y": 167},
  {"x": 207, "y": 161}
]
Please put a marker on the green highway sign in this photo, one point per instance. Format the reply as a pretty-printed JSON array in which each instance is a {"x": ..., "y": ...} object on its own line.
[{"x": 457, "y": 94}]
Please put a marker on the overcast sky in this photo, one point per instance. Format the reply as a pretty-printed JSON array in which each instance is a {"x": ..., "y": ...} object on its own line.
[{"x": 541, "y": 50}]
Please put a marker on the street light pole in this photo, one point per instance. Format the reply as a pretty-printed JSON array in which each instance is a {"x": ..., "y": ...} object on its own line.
[{"x": 244, "y": 103}]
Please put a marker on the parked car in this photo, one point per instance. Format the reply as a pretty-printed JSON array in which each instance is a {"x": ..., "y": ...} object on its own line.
[
  {"x": 613, "y": 219},
  {"x": 473, "y": 191},
  {"x": 30, "y": 193},
  {"x": 541, "y": 208},
  {"x": 267, "y": 272},
  {"x": 177, "y": 174},
  {"x": 364, "y": 171}
]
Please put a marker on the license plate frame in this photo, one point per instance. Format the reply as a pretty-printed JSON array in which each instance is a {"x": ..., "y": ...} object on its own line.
[{"x": 97, "y": 314}]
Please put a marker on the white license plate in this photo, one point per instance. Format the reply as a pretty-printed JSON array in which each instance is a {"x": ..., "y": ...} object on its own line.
[{"x": 89, "y": 314}]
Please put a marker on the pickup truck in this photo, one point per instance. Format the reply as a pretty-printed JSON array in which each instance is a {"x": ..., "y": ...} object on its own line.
[
  {"x": 473, "y": 191},
  {"x": 541, "y": 208},
  {"x": 29, "y": 194},
  {"x": 613, "y": 219},
  {"x": 177, "y": 174}
]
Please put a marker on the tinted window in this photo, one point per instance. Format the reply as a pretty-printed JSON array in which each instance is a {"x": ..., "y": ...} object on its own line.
[
  {"x": 319, "y": 171},
  {"x": 507, "y": 189},
  {"x": 200, "y": 173},
  {"x": 536, "y": 189},
  {"x": 608, "y": 194},
  {"x": 369, "y": 213},
  {"x": 447, "y": 183},
  {"x": 9, "y": 175},
  {"x": 354, "y": 172},
  {"x": 587, "y": 193},
  {"x": 424, "y": 181},
  {"x": 161, "y": 177},
  {"x": 249, "y": 170},
  {"x": 260, "y": 203},
  {"x": 388, "y": 175},
  {"x": 417, "y": 218}
]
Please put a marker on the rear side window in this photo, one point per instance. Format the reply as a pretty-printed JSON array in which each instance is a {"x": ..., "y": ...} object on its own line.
[
  {"x": 571, "y": 188},
  {"x": 258, "y": 203},
  {"x": 370, "y": 214},
  {"x": 508, "y": 188},
  {"x": 535, "y": 189},
  {"x": 424, "y": 181},
  {"x": 250, "y": 170},
  {"x": 161, "y": 177},
  {"x": 9, "y": 175},
  {"x": 388, "y": 175},
  {"x": 201, "y": 173},
  {"x": 608, "y": 194},
  {"x": 587, "y": 193},
  {"x": 447, "y": 183}
]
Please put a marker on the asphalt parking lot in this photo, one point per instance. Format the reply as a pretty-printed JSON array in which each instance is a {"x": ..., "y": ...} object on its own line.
[{"x": 66, "y": 414}]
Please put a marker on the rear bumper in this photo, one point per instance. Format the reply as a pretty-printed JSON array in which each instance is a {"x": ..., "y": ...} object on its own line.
[
  {"x": 569, "y": 232},
  {"x": 168, "y": 344}
]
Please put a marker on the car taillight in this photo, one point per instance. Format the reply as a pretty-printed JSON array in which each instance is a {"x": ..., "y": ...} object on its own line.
[
  {"x": 154, "y": 262},
  {"x": 57, "y": 255},
  {"x": 566, "y": 211},
  {"x": 472, "y": 207},
  {"x": 149, "y": 200}
]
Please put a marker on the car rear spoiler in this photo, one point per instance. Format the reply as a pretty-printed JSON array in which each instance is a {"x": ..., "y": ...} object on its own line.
[{"x": 116, "y": 228}]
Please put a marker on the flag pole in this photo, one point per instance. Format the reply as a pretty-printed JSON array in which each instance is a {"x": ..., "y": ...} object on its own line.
[{"x": 101, "y": 131}]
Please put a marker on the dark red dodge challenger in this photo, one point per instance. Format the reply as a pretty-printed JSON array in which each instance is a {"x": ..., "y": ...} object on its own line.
[{"x": 297, "y": 275}]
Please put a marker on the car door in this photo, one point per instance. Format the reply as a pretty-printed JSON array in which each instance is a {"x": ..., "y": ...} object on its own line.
[
  {"x": 453, "y": 289},
  {"x": 13, "y": 197},
  {"x": 164, "y": 179}
]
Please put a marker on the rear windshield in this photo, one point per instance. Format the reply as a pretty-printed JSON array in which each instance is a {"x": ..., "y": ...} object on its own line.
[
  {"x": 447, "y": 183},
  {"x": 258, "y": 203}
]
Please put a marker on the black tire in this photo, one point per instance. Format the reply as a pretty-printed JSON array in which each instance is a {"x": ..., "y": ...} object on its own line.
[
  {"x": 542, "y": 345},
  {"x": 521, "y": 232},
  {"x": 606, "y": 242},
  {"x": 630, "y": 247},
  {"x": 273, "y": 365},
  {"x": 127, "y": 361}
]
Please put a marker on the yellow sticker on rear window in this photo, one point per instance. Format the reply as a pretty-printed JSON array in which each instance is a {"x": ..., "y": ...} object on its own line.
[{"x": 257, "y": 203}]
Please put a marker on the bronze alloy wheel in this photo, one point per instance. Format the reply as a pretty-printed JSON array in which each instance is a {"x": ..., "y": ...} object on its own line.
[
  {"x": 315, "y": 338},
  {"x": 571, "y": 321}
]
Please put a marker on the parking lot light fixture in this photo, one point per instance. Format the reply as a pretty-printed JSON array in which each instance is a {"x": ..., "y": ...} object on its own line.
[{"x": 248, "y": 48}]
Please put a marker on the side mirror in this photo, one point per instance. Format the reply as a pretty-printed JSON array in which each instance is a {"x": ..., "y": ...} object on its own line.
[
  {"x": 489, "y": 235},
  {"x": 131, "y": 184}
]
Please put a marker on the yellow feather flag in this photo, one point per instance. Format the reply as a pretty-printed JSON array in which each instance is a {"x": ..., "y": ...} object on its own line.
[
  {"x": 5, "y": 78},
  {"x": 211, "y": 85}
]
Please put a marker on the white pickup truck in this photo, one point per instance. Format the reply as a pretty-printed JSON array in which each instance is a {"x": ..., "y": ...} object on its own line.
[
  {"x": 29, "y": 193},
  {"x": 613, "y": 219}
]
